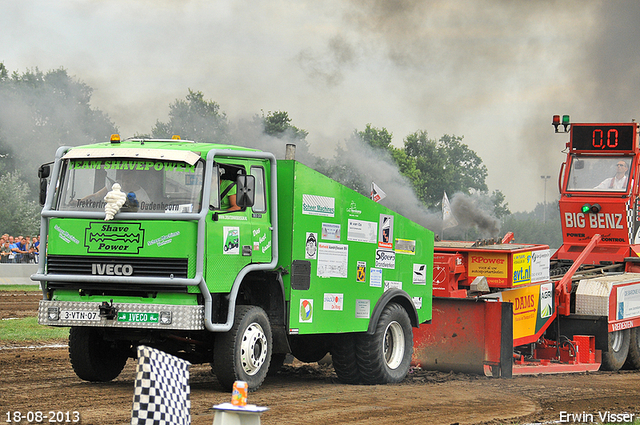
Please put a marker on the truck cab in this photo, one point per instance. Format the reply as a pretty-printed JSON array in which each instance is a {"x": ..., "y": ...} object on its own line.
[{"x": 599, "y": 189}]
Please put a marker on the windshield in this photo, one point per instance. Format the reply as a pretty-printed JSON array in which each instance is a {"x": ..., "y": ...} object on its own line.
[
  {"x": 150, "y": 185},
  {"x": 608, "y": 174}
]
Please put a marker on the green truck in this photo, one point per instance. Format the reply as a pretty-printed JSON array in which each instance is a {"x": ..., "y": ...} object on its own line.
[{"x": 305, "y": 266}]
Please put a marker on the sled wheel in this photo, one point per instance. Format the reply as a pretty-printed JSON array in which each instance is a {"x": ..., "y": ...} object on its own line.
[
  {"x": 93, "y": 358},
  {"x": 343, "y": 356},
  {"x": 633, "y": 358},
  {"x": 244, "y": 352},
  {"x": 385, "y": 356},
  {"x": 616, "y": 355}
]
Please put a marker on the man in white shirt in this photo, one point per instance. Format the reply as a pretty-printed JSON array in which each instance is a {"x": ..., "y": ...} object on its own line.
[{"x": 617, "y": 182}]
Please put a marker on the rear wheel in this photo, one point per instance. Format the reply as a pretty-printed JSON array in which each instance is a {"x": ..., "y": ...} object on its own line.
[
  {"x": 633, "y": 358},
  {"x": 244, "y": 352},
  {"x": 616, "y": 355},
  {"x": 343, "y": 355},
  {"x": 385, "y": 356},
  {"x": 93, "y": 358}
]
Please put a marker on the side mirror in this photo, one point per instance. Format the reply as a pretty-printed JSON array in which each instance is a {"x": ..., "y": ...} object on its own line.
[
  {"x": 43, "y": 191},
  {"x": 43, "y": 172},
  {"x": 245, "y": 190}
]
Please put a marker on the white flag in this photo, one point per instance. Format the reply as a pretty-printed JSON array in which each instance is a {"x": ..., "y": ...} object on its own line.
[
  {"x": 376, "y": 193},
  {"x": 448, "y": 220}
]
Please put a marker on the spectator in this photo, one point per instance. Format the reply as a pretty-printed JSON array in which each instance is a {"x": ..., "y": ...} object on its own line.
[
  {"x": 12, "y": 246},
  {"x": 5, "y": 251},
  {"x": 36, "y": 249},
  {"x": 20, "y": 250}
]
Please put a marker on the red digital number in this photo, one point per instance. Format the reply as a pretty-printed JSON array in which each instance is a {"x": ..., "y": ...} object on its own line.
[{"x": 597, "y": 140}]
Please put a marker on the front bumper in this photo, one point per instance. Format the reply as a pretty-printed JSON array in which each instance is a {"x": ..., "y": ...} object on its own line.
[{"x": 128, "y": 315}]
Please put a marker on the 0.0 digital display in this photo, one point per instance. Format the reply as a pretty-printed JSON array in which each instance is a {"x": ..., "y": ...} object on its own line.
[{"x": 617, "y": 137}]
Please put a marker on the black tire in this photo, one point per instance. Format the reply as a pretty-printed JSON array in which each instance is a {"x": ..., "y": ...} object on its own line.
[
  {"x": 343, "y": 356},
  {"x": 385, "y": 356},
  {"x": 309, "y": 348},
  {"x": 244, "y": 352},
  {"x": 616, "y": 355},
  {"x": 633, "y": 358},
  {"x": 93, "y": 358}
]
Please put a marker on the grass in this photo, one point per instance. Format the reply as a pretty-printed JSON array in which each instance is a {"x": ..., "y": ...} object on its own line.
[
  {"x": 28, "y": 330},
  {"x": 19, "y": 288}
]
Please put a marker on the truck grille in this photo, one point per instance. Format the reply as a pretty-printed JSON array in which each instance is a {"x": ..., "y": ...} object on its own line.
[{"x": 127, "y": 266}]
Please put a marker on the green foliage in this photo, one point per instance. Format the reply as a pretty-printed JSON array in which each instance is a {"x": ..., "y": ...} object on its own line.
[
  {"x": 376, "y": 138},
  {"x": 19, "y": 214},
  {"x": 446, "y": 165},
  {"x": 195, "y": 119},
  {"x": 40, "y": 111},
  {"x": 28, "y": 330},
  {"x": 500, "y": 206},
  {"x": 278, "y": 124}
]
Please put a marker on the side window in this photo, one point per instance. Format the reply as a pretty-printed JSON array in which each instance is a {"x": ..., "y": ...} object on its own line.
[
  {"x": 260, "y": 204},
  {"x": 223, "y": 186}
]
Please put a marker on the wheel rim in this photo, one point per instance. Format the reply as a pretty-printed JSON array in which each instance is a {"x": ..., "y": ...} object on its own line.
[
  {"x": 253, "y": 350},
  {"x": 393, "y": 345},
  {"x": 616, "y": 343}
]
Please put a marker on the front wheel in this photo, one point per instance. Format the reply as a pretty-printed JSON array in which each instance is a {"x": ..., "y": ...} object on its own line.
[
  {"x": 244, "y": 352},
  {"x": 93, "y": 358},
  {"x": 385, "y": 356},
  {"x": 616, "y": 354}
]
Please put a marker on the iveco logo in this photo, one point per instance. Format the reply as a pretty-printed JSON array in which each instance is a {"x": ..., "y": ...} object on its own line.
[{"x": 112, "y": 269}]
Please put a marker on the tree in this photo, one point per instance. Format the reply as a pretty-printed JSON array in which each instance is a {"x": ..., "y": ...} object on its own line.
[
  {"x": 500, "y": 207},
  {"x": 19, "y": 214},
  {"x": 530, "y": 227},
  {"x": 43, "y": 111},
  {"x": 447, "y": 165},
  {"x": 195, "y": 119}
]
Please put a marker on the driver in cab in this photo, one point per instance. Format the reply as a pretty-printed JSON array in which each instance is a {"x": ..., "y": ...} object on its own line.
[{"x": 618, "y": 181}]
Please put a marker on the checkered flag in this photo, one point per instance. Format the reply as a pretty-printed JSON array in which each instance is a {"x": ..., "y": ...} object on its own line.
[{"x": 161, "y": 395}]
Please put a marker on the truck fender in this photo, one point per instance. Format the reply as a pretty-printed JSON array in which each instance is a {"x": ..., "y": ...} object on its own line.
[{"x": 396, "y": 295}]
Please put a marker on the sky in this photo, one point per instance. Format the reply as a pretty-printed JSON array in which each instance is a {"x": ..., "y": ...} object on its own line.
[{"x": 491, "y": 71}]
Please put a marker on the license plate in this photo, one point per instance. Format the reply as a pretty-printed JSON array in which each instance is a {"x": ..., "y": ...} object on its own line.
[
  {"x": 124, "y": 316},
  {"x": 79, "y": 315}
]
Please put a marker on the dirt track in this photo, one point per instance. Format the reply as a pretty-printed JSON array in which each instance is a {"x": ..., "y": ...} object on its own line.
[{"x": 42, "y": 379}]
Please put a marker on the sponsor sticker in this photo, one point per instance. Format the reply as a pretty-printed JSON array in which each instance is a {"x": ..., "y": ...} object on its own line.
[
  {"x": 388, "y": 284},
  {"x": 361, "y": 272},
  {"x": 406, "y": 246},
  {"x": 362, "y": 231},
  {"x": 385, "y": 259},
  {"x": 385, "y": 235},
  {"x": 306, "y": 310},
  {"x": 318, "y": 205},
  {"x": 419, "y": 274},
  {"x": 333, "y": 302},
  {"x": 375, "y": 279},
  {"x": 331, "y": 231},
  {"x": 121, "y": 238},
  {"x": 363, "y": 309}
]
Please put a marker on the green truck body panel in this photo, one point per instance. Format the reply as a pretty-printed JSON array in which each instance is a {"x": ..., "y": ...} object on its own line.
[{"x": 356, "y": 249}]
